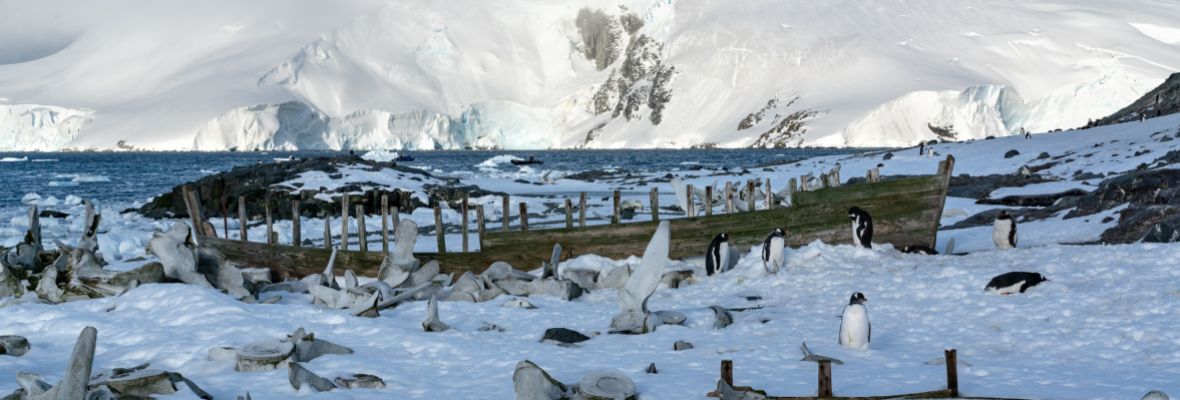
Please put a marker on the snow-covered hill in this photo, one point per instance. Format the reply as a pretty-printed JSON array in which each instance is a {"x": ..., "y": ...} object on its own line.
[{"x": 593, "y": 73}]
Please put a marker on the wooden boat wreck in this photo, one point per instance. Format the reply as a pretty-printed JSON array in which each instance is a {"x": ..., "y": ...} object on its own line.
[{"x": 905, "y": 210}]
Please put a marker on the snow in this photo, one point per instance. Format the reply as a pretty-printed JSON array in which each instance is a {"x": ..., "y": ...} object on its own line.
[
  {"x": 1041, "y": 188},
  {"x": 367, "y": 74}
]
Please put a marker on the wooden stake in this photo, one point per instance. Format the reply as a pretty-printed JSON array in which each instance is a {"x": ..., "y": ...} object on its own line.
[
  {"x": 729, "y": 197},
  {"x": 952, "y": 372},
  {"x": 689, "y": 212},
  {"x": 296, "y": 231},
  {"x": 618, "y": 199},
  {"x": 362, "y": 235},
  {"x": 269, "y": 224},
  {"x": 825, "y": 378},
  {"x": 194, "y": 210},
  {"x": 792, "y": 187},
  {"x": 524, "y": 217},
  {"x": 344, "y": 222},
  {"x": 708, "y": 201},
  {"x": 727, "y": 371},
  {"x": 384, "y": 224},
  {"x": 327, "y": 231},
  {"x": 504, "y": 220},
  {"x": 569, "y": 213},
  {"x": 655, "y": 204},
  {"x": 225, "y": 215},
  {"x": 582, "y": 209},
  {"x": 463, "y": 206},
  {"x": 479, "y": 224},
  {"x": 769, "y": 195},
  {"x": 242, "y": 219},
  {"x": 750, "y": 195},
  {"x": 395, "y": 217},
  {"x": 438, "y": 230}
]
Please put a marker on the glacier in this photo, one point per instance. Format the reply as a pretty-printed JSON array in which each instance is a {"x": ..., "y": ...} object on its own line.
[
  {"x": 33, "y": 127},
  {"x": 517, "y": 74}
]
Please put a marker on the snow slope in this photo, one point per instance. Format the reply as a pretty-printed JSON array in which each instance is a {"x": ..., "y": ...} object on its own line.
[{"x": 417, "y": 74}]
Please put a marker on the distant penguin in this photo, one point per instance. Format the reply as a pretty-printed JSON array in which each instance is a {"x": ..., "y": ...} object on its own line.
[
  {"x": 1004, "y": 231},
  {"x": 1014, "y": 282},
  {"x": 919, "y": 249},
  {"x": 855, "y": 329},
  {"x": 862, "y": 227},
  {"x": 773, "y": 250},
  {"x": 717, "y": 255}
]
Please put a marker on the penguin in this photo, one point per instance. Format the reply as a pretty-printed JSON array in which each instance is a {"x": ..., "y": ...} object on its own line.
[
  {"x": 919, "y": 249},
  {"x": 1004, "y": 231},
  {"x": 862, "y": 227},
  {"x": 772, "y": 250},
  {"x": 855, "y": 329},
  {"x": 1014, "y": 282},
  {"x": 717, "y": 255}
]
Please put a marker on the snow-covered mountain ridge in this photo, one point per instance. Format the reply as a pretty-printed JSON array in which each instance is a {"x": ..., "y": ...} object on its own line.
[{"x": 589, "y": 73}]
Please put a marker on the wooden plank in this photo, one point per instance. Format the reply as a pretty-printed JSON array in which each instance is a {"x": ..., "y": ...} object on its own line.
[
  {"x": 344, "y": 221},
  {"x": 727, "y": 371},
  {"x": 729, "y": 197},
  {"x": 769, "y": 195},
  {"x": 463, "y": 207},
  {"x": 617, "y": 202},
  {"x": 270, "y": 230},
  {"x": 362, "y": 235},
  {"x": 569, "y": 213},
  {"x": 947, "y": 171},
  {"x": 384, "y": 223},
  {"x": 242, "y": 221},
  {"x": 825, "y": 378},
  {"x": 582, "y": 209},
  {"x": 708, "y": 201},
  {"x": 655, "y": 204},
  {"x": 441, "y": 240},
  {"x": 327, "y": 231},
  {"x": 689, "y": 203},
  {"x": 524, "y": 217},
  {"x": 296, "y": 230},
  {"x": 479, "y": 223},
  {"x": 297, "y": 262},
  {"x": 504, "y": 220},
  {"x": 952, "y": 372}
]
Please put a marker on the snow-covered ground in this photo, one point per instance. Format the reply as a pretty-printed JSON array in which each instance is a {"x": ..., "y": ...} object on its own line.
[
  {"x": 1103, "y": 327},
  {"x": 516, "y": 74}
]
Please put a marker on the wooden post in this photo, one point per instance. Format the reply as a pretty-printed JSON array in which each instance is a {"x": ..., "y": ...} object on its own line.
[
  {"x": 504, "y": 201},
  {"x": 690, "y": 212},
  {"x": 825, "y": 378},
  {"x": 750, "y": 195},
  {"x": 582, "y": 209},
  {"x": 463, "y": 207},
  {"x": 729, "y": 197},
  {"x": 361, "y": 234},
  {"x": 242, "y": 219},
  {"x": 296, "y": 230},
  {"x": 655, "y": 203},
  {"x": 479, "y": 223},
  {"x": 792, "y": 187},
  {"x": 225, "y": 215},
  {"x": 727, "y": 371},
  {"x": 327, "y": 231},
  {"x": 384, "y": 224},
  {"x": 344, "y": 221},
  {"x": 269, "y": 223},
  {"x": 569, "y": 213},
  {"x": 952, "y": 372},
  {"x": 194, "y": 210},
  {"x": 524, "y": 216},
  {"x": 708, "y": 201},
  {"x": 438, "y": 230},
  {"x": 618, "y": 199},
  {"x": 395, "y": 217},
  {"x": 769, "y": 195}
]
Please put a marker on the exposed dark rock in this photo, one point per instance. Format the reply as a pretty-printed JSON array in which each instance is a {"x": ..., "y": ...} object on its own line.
[
  {"x": 564, "y": 335},
  {"x": 52, "y": 214},
  {"x": 988, "y": 217},
  {"x": 1033, "y": 200},
  {"x": 1152, "y": 196},
  {"x": 1163, "y": 232},
  {"x": 681, "y": 345},
  {"x": 1043, "y": 155},
  {"x": 1011, "y": 153},
  {"x": 979, "y": 187},
  {"x": 887, "y": 156},
  {"x": 1163, "y": 100}
]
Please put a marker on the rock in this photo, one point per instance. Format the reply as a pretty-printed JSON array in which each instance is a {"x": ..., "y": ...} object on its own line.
[
  {"x": 563, "y": 335},
  {"x": 263, "y": 355},
  {"x": 1162, "y": 233},
  {"x": 1011, "y": 153},
  {"x": 673, "y": 279},
  {"x": 10, "y": 282},
  {"x": 633, "y": 316},
  {"x": 724, "y": 318},
  {"x": 670, "y": 317},
  {"x": 888, "y": 156},
  {"x": 490, "y": 327},
  {"x": 432, "y": 323},
  {"x": 12, "y": 345},
  {"x": 606, "y": 385},
  {"x": 1043, "y": 155},
  {"x": 681, "y": 345},
  {"x": 585, "y": 278},
  {"x": 616, "y": 278},
  {"x": 530, "y": 382},
  {"x": 651, "y": 369},
  {"x": 518, "y": 303},
  {"x": 308, "y": 348},
  {"x": 727, "y": 392},
  {"x": 136, "y": 381},
  {"x": 360, "y": 381},
  {"x": 299, "y": 377},
  {"x": 1155, "y": 395}
]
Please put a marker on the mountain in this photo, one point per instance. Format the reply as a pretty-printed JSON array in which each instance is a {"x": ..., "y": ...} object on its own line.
[{"x": 287, "y": 74}]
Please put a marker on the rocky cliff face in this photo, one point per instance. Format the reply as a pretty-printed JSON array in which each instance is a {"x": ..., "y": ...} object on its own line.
[{"x": 1163, "y": 100}]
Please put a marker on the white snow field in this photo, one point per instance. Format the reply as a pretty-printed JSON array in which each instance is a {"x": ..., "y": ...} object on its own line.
[{"x": 420, "y": 74}]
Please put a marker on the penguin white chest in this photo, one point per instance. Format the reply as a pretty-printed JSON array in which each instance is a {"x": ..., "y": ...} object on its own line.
[
  {"x": 1002, "y": 233},
  {"x": 777, "y": 255},
  {"x": 854, "y": 327},
  {"x": 723, "y": 257},
  {"x": 855, "y": 233}
]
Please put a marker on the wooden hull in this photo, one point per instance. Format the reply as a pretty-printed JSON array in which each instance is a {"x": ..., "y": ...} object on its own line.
[{"x": 905, "y": 211}]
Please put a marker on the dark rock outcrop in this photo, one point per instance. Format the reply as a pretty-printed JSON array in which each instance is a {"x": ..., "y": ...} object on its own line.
[{"x": 1163, "y": 100}]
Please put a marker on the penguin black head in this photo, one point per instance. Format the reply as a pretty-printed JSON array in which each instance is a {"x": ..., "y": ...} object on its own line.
[
  {"x": 853, "y": 212},
  {"x": 778, "y": 232},
  {"x": 1037, "y": 278},
  {"x": 724, "y": 237},
  {"x": 1003, "y": 215},
  {"x": 857, "y": 298}
]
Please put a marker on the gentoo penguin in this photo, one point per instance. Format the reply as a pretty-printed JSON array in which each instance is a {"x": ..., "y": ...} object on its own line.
[
  {"x": 862, "y": 227},
  {"x": 1004, "y": 231},
  {"x": 855, "y": 330},
  {"x": 1014, "y": 282},
  {"x": 919, "y": 249},
  {"x": 772, "y": 250},
  {"x": 717, "y": 255}
]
